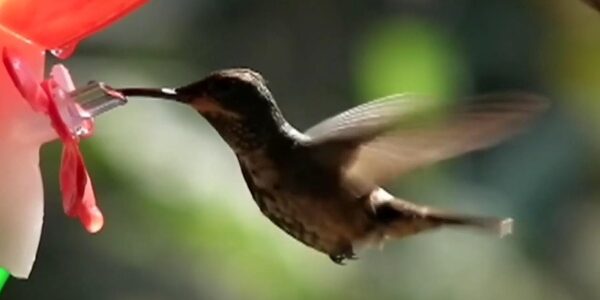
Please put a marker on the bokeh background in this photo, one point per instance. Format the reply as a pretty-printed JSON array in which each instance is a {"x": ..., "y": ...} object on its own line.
[{"x": 180, "y": 223}]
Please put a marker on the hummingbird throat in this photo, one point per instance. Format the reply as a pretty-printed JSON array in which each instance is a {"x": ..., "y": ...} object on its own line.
[
  {"x": 240, "y": 135},
  {"x": 210, "y": 108}
]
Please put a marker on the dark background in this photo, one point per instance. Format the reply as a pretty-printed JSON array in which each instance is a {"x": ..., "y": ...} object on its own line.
[{"x": 180, "y": 223}]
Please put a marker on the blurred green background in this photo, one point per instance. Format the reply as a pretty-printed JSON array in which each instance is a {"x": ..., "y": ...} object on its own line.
[{"x": 180, "y": 223}]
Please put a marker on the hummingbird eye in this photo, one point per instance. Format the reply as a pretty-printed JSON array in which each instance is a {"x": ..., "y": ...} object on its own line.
[
  {"x": 238, "y": 91},
  {"x": 220, "y": 89},
  {"x": 232, "y": 88}
]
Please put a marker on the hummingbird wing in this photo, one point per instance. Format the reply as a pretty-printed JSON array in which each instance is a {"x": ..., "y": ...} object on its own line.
[
  {"x": 593, "y": 3},
  {"x": 385, "y": 138}
]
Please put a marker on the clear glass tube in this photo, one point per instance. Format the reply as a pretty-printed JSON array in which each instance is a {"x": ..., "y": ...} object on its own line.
[
  {"x": 97, "y": 98},
  {"x": 77, "y": 107}
]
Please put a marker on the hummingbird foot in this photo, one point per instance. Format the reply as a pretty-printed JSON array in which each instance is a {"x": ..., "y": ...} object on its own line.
[{"x": 340, "y": 258}]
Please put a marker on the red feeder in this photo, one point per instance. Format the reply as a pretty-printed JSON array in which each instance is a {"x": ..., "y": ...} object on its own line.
[{"x": 33, "y": 112}]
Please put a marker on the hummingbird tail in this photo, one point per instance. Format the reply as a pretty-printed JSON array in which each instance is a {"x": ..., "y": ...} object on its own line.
[
  {"x": 402, "y": 218},
  {"x": 500, "y": 227}
]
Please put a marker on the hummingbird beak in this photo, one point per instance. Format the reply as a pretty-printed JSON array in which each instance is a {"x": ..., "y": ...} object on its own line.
[
  {"x": 203, "y": 104},
  {"x": 163, "y": 93}
]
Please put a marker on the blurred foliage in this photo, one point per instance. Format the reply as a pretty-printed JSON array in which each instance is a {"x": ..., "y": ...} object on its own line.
[
  {"x": 180, "y": 223},
  {"x": 407, "y": 55},
  {"x": 3, "y": 277}
]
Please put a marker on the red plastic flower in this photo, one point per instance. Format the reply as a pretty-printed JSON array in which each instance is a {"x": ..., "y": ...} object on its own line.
[{"x": 51, "y": 98}]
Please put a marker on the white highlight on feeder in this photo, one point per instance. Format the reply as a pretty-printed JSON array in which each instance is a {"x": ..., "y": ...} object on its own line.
[
  {"x": 21, "y": 207},
  {"x": 22, "y": 132}
]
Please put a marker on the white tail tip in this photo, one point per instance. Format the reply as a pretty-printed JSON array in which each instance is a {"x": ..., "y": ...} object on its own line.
[{"x": 505, "y": 227}]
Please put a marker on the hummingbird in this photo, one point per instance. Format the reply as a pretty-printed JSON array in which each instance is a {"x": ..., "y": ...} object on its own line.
[{"x": 324, "y": 186}]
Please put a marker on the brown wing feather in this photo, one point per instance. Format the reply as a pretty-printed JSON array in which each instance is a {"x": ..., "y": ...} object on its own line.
[
  {"x": 366, "y": 121},
  {"x": 593, "y": 3},
  {"x": 400, "y": 142}
]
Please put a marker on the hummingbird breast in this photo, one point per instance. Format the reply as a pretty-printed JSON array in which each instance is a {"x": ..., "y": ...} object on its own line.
[
  {"x": 304, "y": 200},
  {"x": 297, "y": 193}
]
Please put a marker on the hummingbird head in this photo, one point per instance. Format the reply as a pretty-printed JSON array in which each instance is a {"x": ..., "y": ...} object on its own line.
[
  {"x": 236, "y": 94},
  {"x": 236, "y": 102}
]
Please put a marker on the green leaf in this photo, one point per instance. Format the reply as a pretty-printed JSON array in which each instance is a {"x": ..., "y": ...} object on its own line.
[{"x": 3, "y": 278}]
